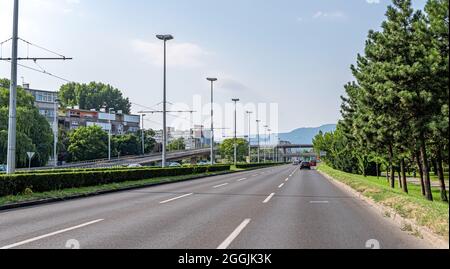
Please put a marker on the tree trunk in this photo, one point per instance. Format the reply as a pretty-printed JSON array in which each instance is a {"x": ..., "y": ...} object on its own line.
[
  {"x": 404, "y": 179},
  {"x": 378, "y": 170},
  {"x": 419, "y": 166},
  {"x": 440, "y": 171},
  {"x": 400, "y": 183},
  {"x": 426, "y": 169},
  {"x": 391, "y": 166}
]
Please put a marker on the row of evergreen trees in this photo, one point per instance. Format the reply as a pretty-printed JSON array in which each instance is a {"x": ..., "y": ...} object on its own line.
[{"x": 397, "y": 109}]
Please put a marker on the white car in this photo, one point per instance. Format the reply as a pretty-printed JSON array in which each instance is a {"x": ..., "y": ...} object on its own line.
[
  {"x": 134, "y": 165},
  {"x": 175, "y": 165}
]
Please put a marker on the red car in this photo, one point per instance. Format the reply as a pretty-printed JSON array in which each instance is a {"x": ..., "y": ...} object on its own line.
[{"x": 313, "y": 163}]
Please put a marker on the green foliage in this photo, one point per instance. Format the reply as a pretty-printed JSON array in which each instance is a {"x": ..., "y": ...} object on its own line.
[
  {"x": 397, "y": 107},
  {"x": 227, "y": 149},
  {"x": 88, "y": 143},
  {"x": 93, "y": 96},
  {"x": 42, "y": 182},
  {"x": 34, "y": 133},
  {"x": 127, "y": 144},
  {"x": 177, "y": 144}
]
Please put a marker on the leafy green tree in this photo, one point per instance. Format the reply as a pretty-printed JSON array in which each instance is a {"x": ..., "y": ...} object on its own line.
[
  {"x": 88, "y": 143},
  {"x": 127, "y": 145},
  {"x": 177, "y": 144},
  {"x": 227, "y": 149},
  {"x": 33, "y": 130},
  {"x": 93, "y": 96},
  {"x": 149, "y": 140}
]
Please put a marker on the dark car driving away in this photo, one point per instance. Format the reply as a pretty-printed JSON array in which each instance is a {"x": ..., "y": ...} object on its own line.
[{"x": 305, "y": 165}]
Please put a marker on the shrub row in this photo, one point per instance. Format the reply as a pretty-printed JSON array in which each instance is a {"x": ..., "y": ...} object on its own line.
[
  {"x": 254, "y": 165},
  {"x": 17, "y": 184}
]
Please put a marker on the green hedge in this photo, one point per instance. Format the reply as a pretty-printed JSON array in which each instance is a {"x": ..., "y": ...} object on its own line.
[
  {"x": 254, "y": 165},
  {"x": 76, "y": 170},
  {"x": 17, "y": 184}
]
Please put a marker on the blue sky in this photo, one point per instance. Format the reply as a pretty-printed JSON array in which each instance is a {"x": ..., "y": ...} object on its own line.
[{"x": 295, "y": 53}]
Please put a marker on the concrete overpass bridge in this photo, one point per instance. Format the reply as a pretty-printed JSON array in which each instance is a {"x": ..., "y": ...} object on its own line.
[{"x": 125, "y": 161}]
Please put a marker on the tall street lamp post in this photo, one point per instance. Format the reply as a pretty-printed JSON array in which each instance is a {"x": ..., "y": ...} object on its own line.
[
  {"x": 212, "y": 80},
  {"x": 249, "y": 113},
  {"x": 235, "y": 129},
  {"x": 110, "y": 110},
  {"x": 164, "y": 38},
  {"x": 259, "y": 141}
]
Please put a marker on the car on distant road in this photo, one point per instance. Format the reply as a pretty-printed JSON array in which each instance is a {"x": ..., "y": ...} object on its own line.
[
  {"x": 175, "y": 165},
  {"x": 296, "y": 162},
  {"x": 305, "y": 165},
  {"x": 2, "y": 168},
  {"x": 313, "y": 163},
  {"x": 134, "y": 165},
  {"x": 202, "y": 163}
]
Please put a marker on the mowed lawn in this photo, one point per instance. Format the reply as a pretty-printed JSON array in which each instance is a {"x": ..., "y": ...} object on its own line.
[{"x": 434, "y": 215}]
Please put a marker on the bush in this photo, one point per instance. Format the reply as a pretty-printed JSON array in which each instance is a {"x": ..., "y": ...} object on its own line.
[{"x": 43, "y": 182}]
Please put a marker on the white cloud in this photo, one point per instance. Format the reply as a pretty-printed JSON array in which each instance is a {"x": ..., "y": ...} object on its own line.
[
  {"x": 373, "y": 1},
  {"x": 178, "y": 54},
  {"x": 329, "y": 15}
]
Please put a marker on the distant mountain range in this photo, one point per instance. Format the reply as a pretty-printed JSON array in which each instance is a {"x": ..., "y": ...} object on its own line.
[{"x": 306, "y": 135}]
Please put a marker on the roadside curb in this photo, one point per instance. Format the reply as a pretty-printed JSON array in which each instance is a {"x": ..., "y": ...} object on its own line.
[
  {"x": 98, "y": 193},
  {"x": 427, "y": 235}
]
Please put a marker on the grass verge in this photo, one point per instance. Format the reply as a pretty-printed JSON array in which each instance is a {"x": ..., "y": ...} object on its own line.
[
  {"x": 66, "y": 193},
  {"x": 434, "y": 215}
]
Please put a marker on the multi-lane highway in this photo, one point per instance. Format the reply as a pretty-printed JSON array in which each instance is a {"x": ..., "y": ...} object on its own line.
[{"x": 272, "y": 208}]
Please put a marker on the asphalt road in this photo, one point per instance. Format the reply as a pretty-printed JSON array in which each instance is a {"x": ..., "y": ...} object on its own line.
[{"x": 273, "y": 208}]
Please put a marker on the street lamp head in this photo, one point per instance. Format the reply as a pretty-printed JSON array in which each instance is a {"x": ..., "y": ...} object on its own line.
[
  {"x": 211, "y": 79},
  {"x": 235, "y": 100},
  {"x": 164, "y": 37}
]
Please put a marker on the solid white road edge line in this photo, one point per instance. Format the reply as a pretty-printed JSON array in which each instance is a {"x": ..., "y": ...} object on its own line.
[
  {"x": 319, "y": 202},
  {"x": 176, "y": 198},
  {"x": 269, "y": 198},
  {"x": 51, "y": 234},
  {"x": 234, "y": 234}
]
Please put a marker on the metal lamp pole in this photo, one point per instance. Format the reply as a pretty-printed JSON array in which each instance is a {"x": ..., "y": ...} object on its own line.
[
  {"x": 265, "y": 140},
  {"x": 110, "y": 133},
  {"x": 164, "y": 38},
  {"x": 212, "y": 80},
  {"x": 235, "y": 129},
  {"x": 249, "y": 113},
  {"x": 259, "y": 141}
]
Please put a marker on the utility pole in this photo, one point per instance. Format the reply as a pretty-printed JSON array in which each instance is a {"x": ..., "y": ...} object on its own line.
[
  {"x": 12, "y": 124},
  {"x": 164, "y": 38},
  {"x": 249, "y": 113},
  {"x": 235, "y": 129},
  {"x": 212, "y": 80},
  {"x": 143, "y": 134},
  {"x": 55, "y": 133},
  {"x": 259, "y": 141},
  {"x": 12, "y": 118}
]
